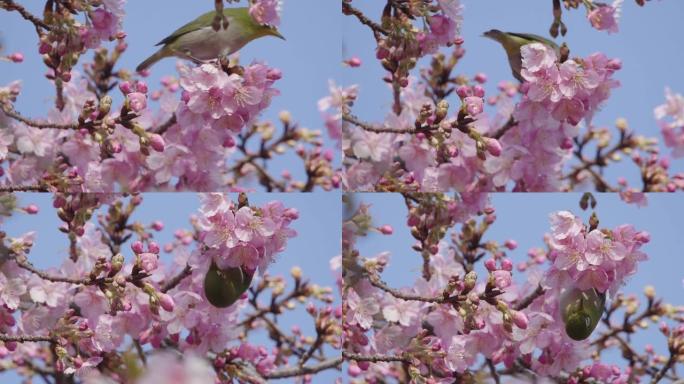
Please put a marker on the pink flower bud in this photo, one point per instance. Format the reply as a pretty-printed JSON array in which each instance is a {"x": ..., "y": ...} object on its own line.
[
  {"x": 229, "y": 142},
  {"x": 31, "y": 209},
  {"x": 386, "y": 229},
  {"x": 381, "y": 53},
  {"x": 493, "y": 146},
  {"x": 44, "y": 48},
  {"x": 520, "y": 319},
  {"x": 354, "y": 62},
  {"x": 141, "y": 86},
  {"x": 291, "y": 213},
  {"x": 507, "y": 265},
  {"x": 126, "y": 87},
  {"x": 511, "y": 244},
  {"x": 166, "y": 302},
  {"x": 16, "y": 57},
  {"x": 153, "y": 247},
  {"x": 463, "y": 91},
  {"x": 567, "y": 143},
  {"x": 481, "y": 78},
  {"x": 478, "y": 91},
  {"x": 157, "y": 225},
  {"x": 157, "y": 142},
  {"x": 490, "y": 264},
  {"x": 137, "y": 247}
]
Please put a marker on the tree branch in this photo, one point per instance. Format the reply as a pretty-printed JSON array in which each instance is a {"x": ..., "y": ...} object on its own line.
[
  {"x": 12, "y": 6},
  {"x": 300, "y": 371},
  {"x": 35, "y": 124}
]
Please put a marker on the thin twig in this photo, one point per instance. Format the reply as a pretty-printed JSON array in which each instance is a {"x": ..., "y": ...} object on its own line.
[
  {"x": 301, "y": 371},
  {"x": 171, "y": 284},
  {"x": 347, "y": 9},
  {"x": 12, "y": 6},
  {"x": 376, "y": 358},
  {"x": 35, "y": 124}
]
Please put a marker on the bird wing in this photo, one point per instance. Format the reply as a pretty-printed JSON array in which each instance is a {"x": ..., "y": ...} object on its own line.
[
  {"x": 192, "y": 26},
  {"x": 201, "y": 22},
  {"x": 530, "y": 36}
]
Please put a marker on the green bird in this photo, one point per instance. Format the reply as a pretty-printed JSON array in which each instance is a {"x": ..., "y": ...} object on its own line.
[
  {"x": 512, "y": 42},
  {"x": 223, "y": 287},
  {"x": 581, "y": 311},
  {"x": 199, "y": 41}
]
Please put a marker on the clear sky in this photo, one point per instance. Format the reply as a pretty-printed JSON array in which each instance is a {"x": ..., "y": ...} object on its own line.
[
  {"x": 317, "y": 242},
  {"x": 525, "y": 218},
  {"x": 308, "y": 58},
  {"x": 648, "y": 44}
]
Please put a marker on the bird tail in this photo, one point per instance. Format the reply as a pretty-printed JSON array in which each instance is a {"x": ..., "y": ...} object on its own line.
[{"x": 160, "y": 54}]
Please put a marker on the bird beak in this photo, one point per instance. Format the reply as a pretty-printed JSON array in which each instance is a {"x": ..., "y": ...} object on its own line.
[{"x": 274, "y": 32}]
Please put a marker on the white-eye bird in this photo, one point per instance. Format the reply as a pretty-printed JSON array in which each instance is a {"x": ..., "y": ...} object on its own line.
[
  {"x": 512, "y": 42},
  {"x": 199, "y": 41},
  {"x": 223, "y": 287},
  {"x": 581, "y": 311}
]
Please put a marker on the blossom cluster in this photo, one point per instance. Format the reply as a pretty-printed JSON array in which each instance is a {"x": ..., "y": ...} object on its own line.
[
  {"x": 598, "y": 259},
  {"x": 201, "y": 131},
  {"x": 127, "y": 147},
  {"x": 214, "y": 108},
  {"x": 242, "y": 237},
  {"x": 444, "y": 324},
  {"x": 105, "y": 295},
  {"x": 605, "y": 17},
  {"x": 105, "y": 23},
  {"x": 556, "y": 98}
]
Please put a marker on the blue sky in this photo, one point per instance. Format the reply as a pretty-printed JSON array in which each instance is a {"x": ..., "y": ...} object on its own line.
[
  {"x": 308, "y": 58},
  {"x": 648, "y": 45},
  {"x": 318, "y": 241},
  {"x": 525, "y": 218}
]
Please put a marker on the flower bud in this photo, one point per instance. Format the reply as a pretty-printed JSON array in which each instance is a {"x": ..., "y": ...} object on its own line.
[
  {"x": 493, "y": 146},
  {"x": 166, "y": 302},
  {"x": 105, "y": 105},
  {"x": 157, "y": 225},
  {"x": 31, "y": 209},
  {"x": 116, "y": 264},
  {"x": 16, "y": 57},
  {"x": 519, "y": 319},
  {"x": 125, "y": 87},
  {"x": 386, "y": 229},
  {"x": 157, "y": 142},
  {"x": 137, "y": 247},
  {"x": 153, "y": 247},
  {"x": 469, "y": 281}
]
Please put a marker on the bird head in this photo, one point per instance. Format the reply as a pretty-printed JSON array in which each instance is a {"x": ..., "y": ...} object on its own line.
[
  {"x": 249, "y": 26},
  {"x": 494, "y": 34}
]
